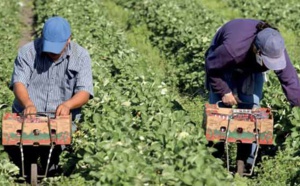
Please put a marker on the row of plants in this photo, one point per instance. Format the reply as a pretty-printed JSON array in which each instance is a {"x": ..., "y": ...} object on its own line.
[
  {"x": 181, "y": 32},
  {"x": 10, "y": 36},
  {"x": 281, "y": 13},
  {"x": 10, "y": 29},
  {"x": 175, "y": 24},
  {"x": 135, "y": 132}
]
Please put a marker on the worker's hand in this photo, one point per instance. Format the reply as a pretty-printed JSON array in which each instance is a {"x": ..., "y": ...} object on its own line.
[
  {"x": 62, "y": 110},
  {"x": 230, "y": 99},
  {"x": 30, "y": 109}
]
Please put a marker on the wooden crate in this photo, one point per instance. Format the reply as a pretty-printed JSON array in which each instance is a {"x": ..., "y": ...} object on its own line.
[
  {"x": 240, "y": 123},
  {"x": 36, "y": 130}
]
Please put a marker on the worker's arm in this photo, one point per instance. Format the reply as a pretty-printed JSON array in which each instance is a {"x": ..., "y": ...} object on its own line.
[
  {"x": 22, "y": 96},
  {"x": 290, "y": 83},
  {"x": 78, "y": 100}
]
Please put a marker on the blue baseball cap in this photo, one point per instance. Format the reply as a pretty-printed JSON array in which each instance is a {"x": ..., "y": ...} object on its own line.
[
  {"x": 56, "y": 32},
  {"x": 271, "y": 46}
]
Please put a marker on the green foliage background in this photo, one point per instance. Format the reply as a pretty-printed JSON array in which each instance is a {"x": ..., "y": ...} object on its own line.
[{"x": 144, "y": 125}]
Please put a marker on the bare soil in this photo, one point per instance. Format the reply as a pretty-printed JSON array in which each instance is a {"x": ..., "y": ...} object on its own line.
[{"x": 27, "y": 19}]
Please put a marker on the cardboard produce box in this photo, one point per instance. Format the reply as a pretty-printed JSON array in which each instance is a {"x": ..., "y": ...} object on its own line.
[
  {"x": 238, "y": 125},
  {"x": 35, "y": 131}
]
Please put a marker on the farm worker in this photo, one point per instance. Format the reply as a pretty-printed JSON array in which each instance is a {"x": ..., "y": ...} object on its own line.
[
  {"x": 51, "y": 74},
  {"x": 240, "y": 54}
]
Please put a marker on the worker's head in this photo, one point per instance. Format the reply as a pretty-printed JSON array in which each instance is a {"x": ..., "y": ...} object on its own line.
[
  {"x": 269, "y": 49},
  {"x": 56, "y": 36}
]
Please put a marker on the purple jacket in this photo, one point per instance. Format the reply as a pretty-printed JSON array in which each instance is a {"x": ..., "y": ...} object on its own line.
[{"x": 232, "y": 48}]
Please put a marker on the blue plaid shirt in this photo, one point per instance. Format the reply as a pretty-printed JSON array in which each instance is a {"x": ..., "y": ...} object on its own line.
[{"x": 49, "y": 84}]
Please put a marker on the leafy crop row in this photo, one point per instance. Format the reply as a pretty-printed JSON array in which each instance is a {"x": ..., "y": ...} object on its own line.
[
  {"x": 182, "y": 33},
  {"x": 9, "y": 37},
  {"x": 170, "y": 23},
  {"x": 134, "y": 131},
  {"x": 279, "y": 12}
]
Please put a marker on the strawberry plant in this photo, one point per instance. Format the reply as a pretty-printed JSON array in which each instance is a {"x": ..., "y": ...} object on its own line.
[
  {"x": 10, "y": 25},
  {"x": 136, "y": 131}
]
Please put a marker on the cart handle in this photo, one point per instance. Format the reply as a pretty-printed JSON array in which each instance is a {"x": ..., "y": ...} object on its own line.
[
  {"x": 243, "y": 103},
  {"x": 256, "y": 139},
  {"x": 23, "y": 116}
]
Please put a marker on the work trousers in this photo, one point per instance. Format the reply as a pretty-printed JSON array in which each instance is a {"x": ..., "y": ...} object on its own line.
[{"x": 249, "y": 91}]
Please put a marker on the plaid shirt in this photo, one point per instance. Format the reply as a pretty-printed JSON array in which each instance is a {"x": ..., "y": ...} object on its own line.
[{"x": 50, "y": 84}]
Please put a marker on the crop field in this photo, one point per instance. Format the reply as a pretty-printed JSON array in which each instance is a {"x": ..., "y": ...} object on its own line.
[{"x": 144, "y": 125}]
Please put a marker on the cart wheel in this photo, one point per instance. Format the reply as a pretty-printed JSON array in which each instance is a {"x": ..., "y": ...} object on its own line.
[
  {"x": 240, "y": 167},
  {"x": 33, "y": 176}
]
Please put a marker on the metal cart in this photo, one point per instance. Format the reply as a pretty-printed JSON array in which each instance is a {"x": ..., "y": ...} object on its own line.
[{"x": 40, "y": 129}]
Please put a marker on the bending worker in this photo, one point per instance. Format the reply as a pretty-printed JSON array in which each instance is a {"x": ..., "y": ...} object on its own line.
[{"x": 240, "y": 53}]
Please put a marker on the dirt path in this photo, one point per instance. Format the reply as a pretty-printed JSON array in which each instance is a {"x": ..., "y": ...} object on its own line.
[{"x": 26, "y": 16}]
